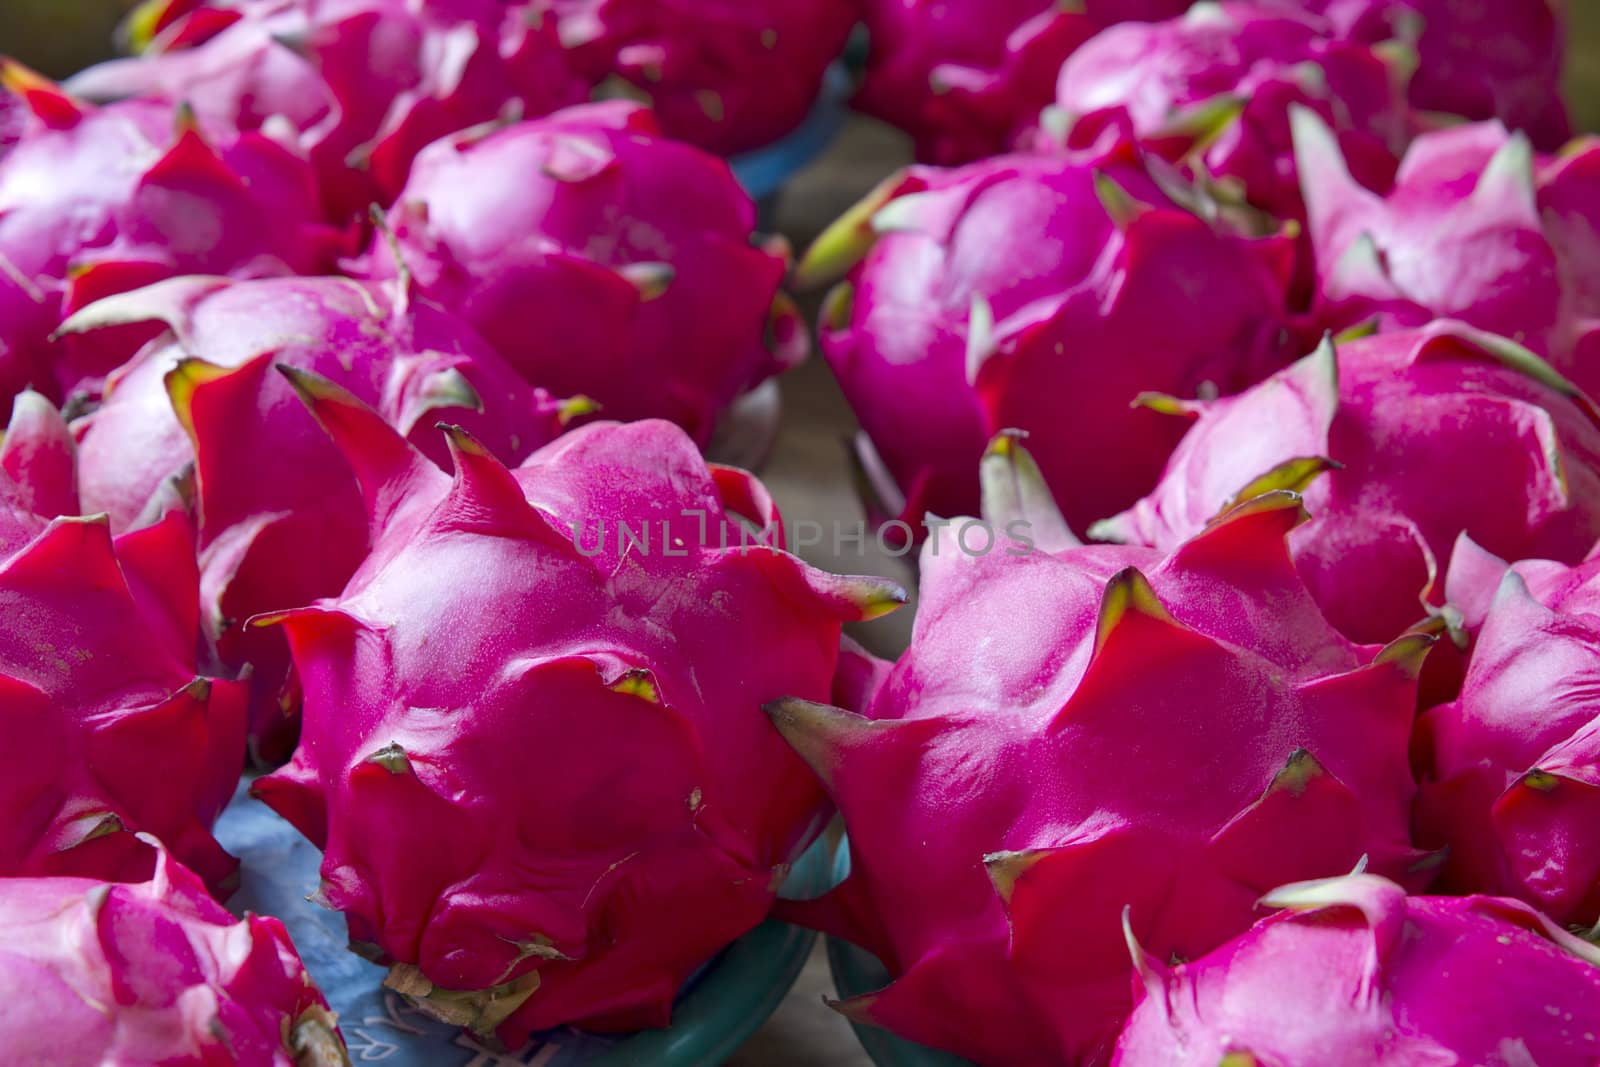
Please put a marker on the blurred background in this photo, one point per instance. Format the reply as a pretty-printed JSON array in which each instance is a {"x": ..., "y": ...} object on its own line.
[{"x": 59, "y": 37}]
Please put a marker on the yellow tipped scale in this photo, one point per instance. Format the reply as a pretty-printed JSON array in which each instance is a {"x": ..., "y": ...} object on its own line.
[
  {"x": 1006, "y": 869},
  {"x": 1119, "y": 204},
  {"x": 51, "y": 104},
  {"x": 1297, "y": 774},
  {"x": 817, "y": 732},
  {"x": 87, "y": 827},
  {"x": 22, "y": 80},
  {"x": 843, "y": 244},
  {"x": 1408, "y": 652},
  {"x": 576, "y": 407},
  {"x": 1292, "y": 475},
  {"x": 186, "y": 379},
  {"x": 392, "y": 758},
  {"x": 875, "y": 599},
  {"x": 639, "y": 682},
  {"x": 1127, "y": 593}
]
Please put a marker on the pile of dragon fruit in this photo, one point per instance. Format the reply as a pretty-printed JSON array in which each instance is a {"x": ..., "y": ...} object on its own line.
[{"x": 1232, "y": 367}]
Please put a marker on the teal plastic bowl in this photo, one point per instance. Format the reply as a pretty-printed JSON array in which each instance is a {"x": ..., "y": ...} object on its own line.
[
  {"x": 718, "y": 1009},
  {"x": 738, "y": 992},
  {"x": 856, "y": 971}
]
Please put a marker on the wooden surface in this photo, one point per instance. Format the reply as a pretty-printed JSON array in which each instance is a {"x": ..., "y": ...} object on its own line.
[{"x": 810, "y": 478}]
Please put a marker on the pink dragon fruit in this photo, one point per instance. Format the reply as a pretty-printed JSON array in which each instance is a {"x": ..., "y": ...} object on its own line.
[
  {"x": 966, "y": 77},
  {"x": 1371, "y": 433},
  {"x": 281, "y": 519},
  {"x": 367, "y": 83},
  {"x": 1475, "y": 60},
  {"x": 583, "y": 609},
  {"x": 726, "y": 75},
  {"x": 109, "y": 730},
  {"x": 632, "y": 253},
  {"x": 1474, "y": 229},
  {"x": 13, "y": 119},
  {"x": 155, "y": 973},
  {"x": 96, "y": 201},
  {"x": 1356, "y": 972},
  {"x": 1216, "y": 87},
  {"x": 1007, "y": 797},
  {"x": 949, "y": 330},
  {"x": 1511, "y": 769}
]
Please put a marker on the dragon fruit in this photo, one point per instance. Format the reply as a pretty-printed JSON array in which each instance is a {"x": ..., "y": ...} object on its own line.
[
  {"x": 966, "y": 78},
  {"x": 13, "y": 118},
  {"x": 1371, "y": 430},
  {"x": 1476, "y": 229},
  {"x": 581, "y": 611},
  {"x": 632, "y": 253},
  {"x": 1007, "y": 796},
  {"x": 1475, "y": 60},
  {"x": 949, "y": 331},
  {"x": 726, "y": 75},
  {"x": 154, "y": 973},
  {"x": 1357, "y": 972},
  {"x": 281, "y": 519},
  {"x": 1511, "y": 769},
  {"x": 1216, "y": 86},
  {"x": 109, "y": 731},
  {"x": 96, "y": 201},
  {"x": 367, "y": 83}
]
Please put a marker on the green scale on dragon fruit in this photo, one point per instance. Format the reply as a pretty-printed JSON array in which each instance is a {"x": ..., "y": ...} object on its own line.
[
  {"x": 110, "y": 729},
  {"x": 199, "y": 415},
  {"x": 523, "y": 743},
  {"x": 1089, "y": 728}
]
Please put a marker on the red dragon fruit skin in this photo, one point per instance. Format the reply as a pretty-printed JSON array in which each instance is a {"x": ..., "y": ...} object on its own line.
[
  {"x": 1357, "y": 972},
  {"x": 1476, "y": 228},
  {"x": 13, "y": 119},
  {"x": 1217, "y": 85},
  {"x": 950, "y": 329},
  {"x": 1381, "y": 434},
  {"x": 507, "y": 632},
  {"x": 154, "y": 973},
  {"x": 726, "y": 75},
  {"x": 1070, "y": 770},
  {"x": 966, "y": 77},
  {"x": 633, "y": 253},
  {"x": 1510, "y": 779},
  {"x": 96, "y": 201},
  {"x": 367, "y": 83},
  {"x": 109, "y": 732},
  {"x": 1475, "y": 60},
  {"x": 281, "y": 519}
]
